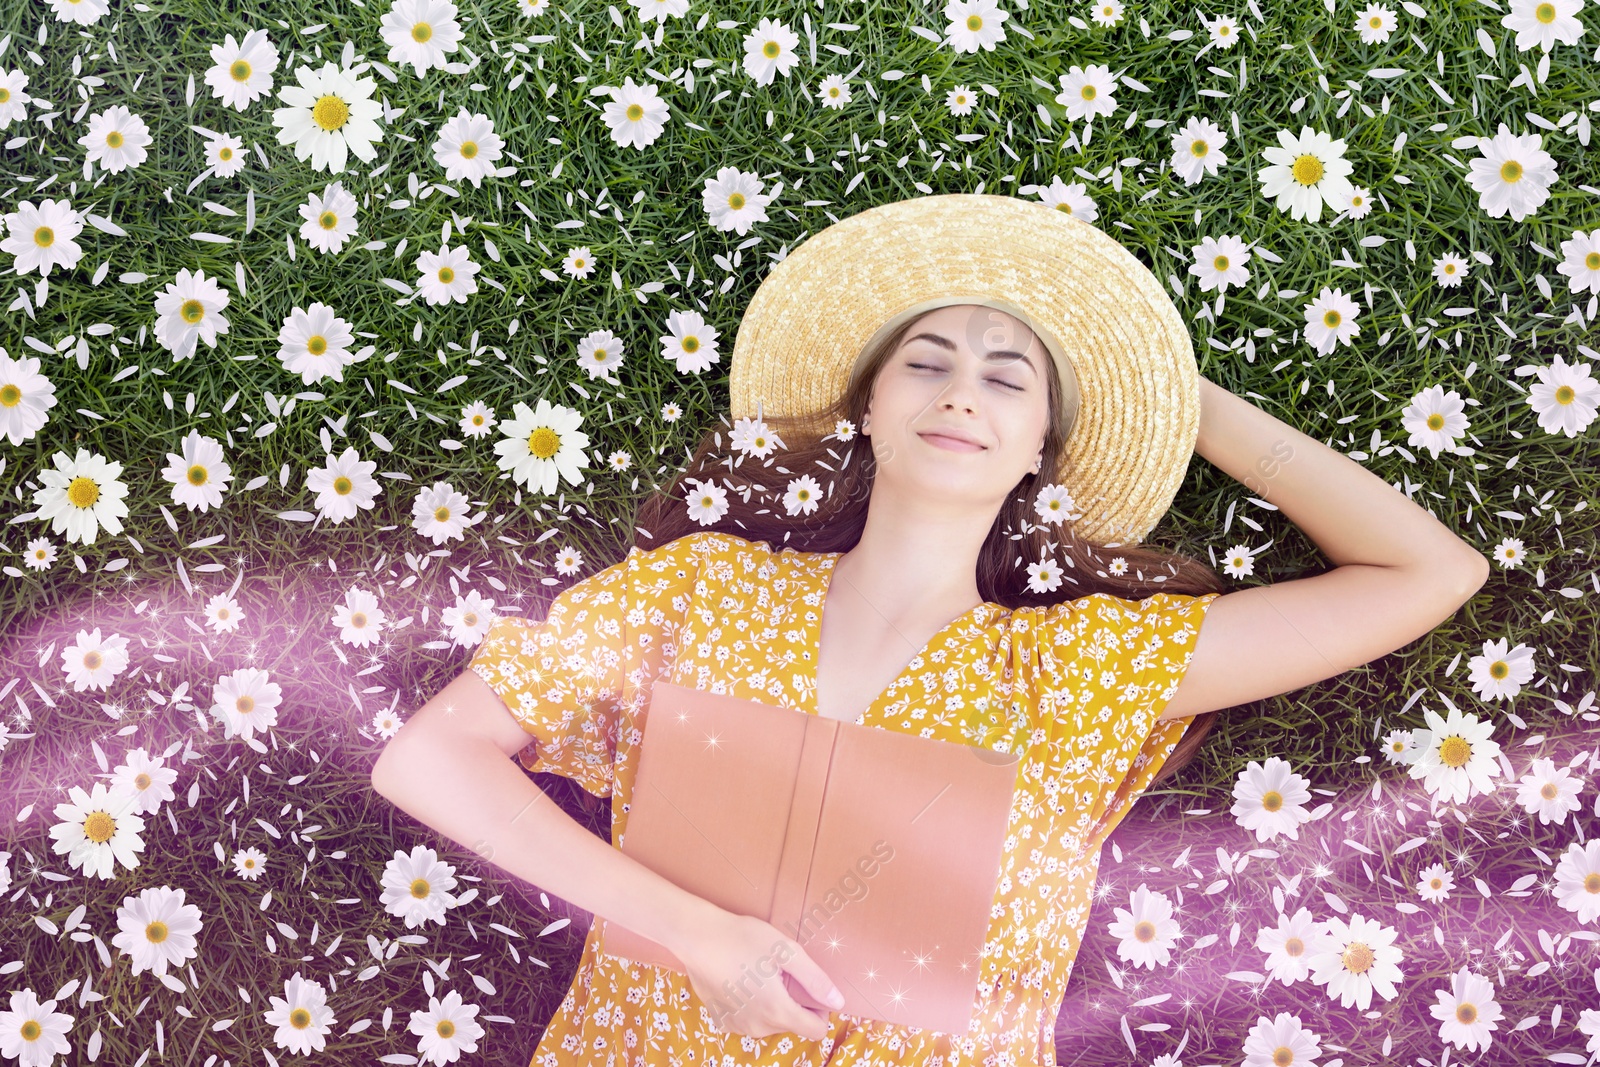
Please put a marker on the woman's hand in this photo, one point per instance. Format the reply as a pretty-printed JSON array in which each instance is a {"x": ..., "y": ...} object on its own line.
[{"x": 736, "y": 965}]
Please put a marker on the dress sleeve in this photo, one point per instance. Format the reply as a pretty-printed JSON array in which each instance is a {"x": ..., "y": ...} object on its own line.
[
  {"x": 1118, "y": 663},
  {"x": 574, "y": 680}
]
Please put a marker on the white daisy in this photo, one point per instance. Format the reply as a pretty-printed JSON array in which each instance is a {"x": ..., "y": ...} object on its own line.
[
  {"x": 224, "y": 613},
  {"x": 542, "y": 446},
  {"x": 200, "y": 475},
  {"x": 98, "y": 830},
  {"x": 1053, "y": 503},
  {"x": 733, "y": 200},
  {"x": 960, "y": 100},
  {"x": 1288, "y": 946},
  {"x": 1514, "y": 174},
  {"x": 600, "y": 353},
  {"x": 635, "y": 115},
  {"x": 569, "y": 561},
  {"x": 420, "y": 32},
  {"x": 578, "y": 263},
  {"x": 14, "y": 99},
  {"x": 469, "y": 619},
  {"x": 33, "y": 1032},
  {"x": 1044, "y": 575},
  {"x": 531, "y": 8},
  {"x": 418, "y": 887},
  {"x": 1565, "y": 397},
  {"x": 1544, "y": 23},
  {"x": 1074, "y": 199},
  {"x": 1375, "y": 24},
  {"x": 1450, "y": 270},
  {"x": 1107, "y": 13},
  {"x": 1306, "y": 172},
  {"x": 1087, "y": 93},
  {"x": 660, "y": 10},
  {"x": 1145, "y": 929},
  {"x": 477, "y": 419},
  {"x": 1197, "y": 149},
  {"x": 302, "y": 1016},
  {"x": 240, "y": 73},
  {"x": 330, "y": 219},
  {"x": 1578, "y": 880},
  {"x": 467, "y": 148},
  {"x": 447, "y": 1029},
  {"x": 25, "y": 397},
  {"x": 225, "y": 155},
  {"x": 1549, "y": 792},
  {"x": 1509, "y": 553},
  {"x": 1224, "y": 31},
  {"x": 43, "y": 237},
  {"x": 117, "y": 139},
  {"x": 1435, "y": 420},
  {"x": 249, "y": 863},
  {"x": 1331, "y": 320},
  {"x": 1356, "y": 958},
  {"x": 82, "y": 12},
  {"x": 331, "y": 113},
  {"x": 343, "y": 486},
  {"x": 1467, "y": 1011},
  {"x": 315, "y": 344},
  {"x": 439, "y": 512},
  {"x": 93, "y": 662},
  {"x": 1500, "y": 672},
  {"x": 245, "y": 701},
  {"x": 1238, "y": 561},
  {"x": 157, "y": 929},
  {"x": 1456, "y": 757},
  {"x": 189, "y": 310},
  {"x": 691, "y": 342},
  {"x": 1220, "y": 262},
  {"x": 769, "y": 50},
  {"x": 446, "y": 275},
  {"x": 1281, "y": 1042},
  {"x": 1400, "y": 747},
  {"x": 1580, "y": 261},
  {"x": 833, "y": 92},
  {"x": 148, "y": 778},
  {"x": 752, "y": 437},
  {"x": 1358, "y": 205},
  {"x": 385, "y": 724},
  {"x": 706, "y": 501},
  {"x": 41, "y": 554},
  {"x": 1270, "y": 799},
  {"x": 1435, "y": 883},
  {"x": 81, "y": 495},
  {"x": 974, "y": 24}
]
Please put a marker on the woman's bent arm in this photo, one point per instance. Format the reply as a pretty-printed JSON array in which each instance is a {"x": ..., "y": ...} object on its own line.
[{"x": 448, "y": 768}]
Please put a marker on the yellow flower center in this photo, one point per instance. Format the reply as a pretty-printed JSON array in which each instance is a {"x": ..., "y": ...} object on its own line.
[
  {"x": 225, "y": 153},
  {"x": 1294, "y": 946},
  {"x": 83, "y": 492},
  {"x": 142, "y": 781},
  {"x": 114, "y": 139},
  {"x": 1511, "y": 171},
  {"x": 770, "y": 49},
  {"x": 156, "y": 932},
  {"x": 445, "y": 1028},
  {"x": 1499, "y": 669},
  {"x": 299, "y": 1018},
  {"x": 419, "y": 889},
  {"x": 197, "y": 475},
  {"x": 10, "y": 395},
  {"x": 1308, "y": 170},
  {"x": 192, "y": 311},
  {"x": 328, "y": 220},
  {"x": 317, "y": 345},
  {"x": 635, "y": 112},
  {"x": 342, "y": 485},
  {"x": 358, "y": 619},
  {"x": 1565, "y": 394},
  {"x": 421, "y": 32},
  {"x": 99, "y": 827},
  {"x": 543, "y": 443},
  {"x": 1282, "y": 1056},
  {"x": 1272, "y": 800},
  {"x": 469, "y": 149},
  {"x": 1331, "y": 319},
  {"x": 1592, "y": 261},
  {"x": 44, "y": 237},
  {"x": 1436, "y": 421},
  {"x": 1087, "y": 92},
  {"x": 441, "y": 514},
  {"x": 330, "y": 113},
  {"x": 691, "y": 344},
  {"x": 446, "y": 275},
  {"x": 1199, "y": 148},
  {"x": 1358, "y": 957},
  {"x": 1454, "y": 751},
  {"x": 1548, "y": 790},
  {"x": 1545, "y": 13},
  {"x": 1145, "y": 930},
  {"x": 245, "y": 704},
  {"x": 240, "y": 71},
  {"x": 92, "y": 660},
  {"x": 1220, "y": 263}
]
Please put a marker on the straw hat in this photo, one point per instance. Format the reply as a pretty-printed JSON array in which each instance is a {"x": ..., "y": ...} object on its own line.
[{"x": 1124, "y": 356}]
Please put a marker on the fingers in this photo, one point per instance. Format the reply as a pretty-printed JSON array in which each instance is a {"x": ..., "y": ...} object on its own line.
[{"x": 813, "y": 978}]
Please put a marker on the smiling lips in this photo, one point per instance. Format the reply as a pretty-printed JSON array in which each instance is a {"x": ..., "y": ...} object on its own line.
[{"x": 950, "y": 444}]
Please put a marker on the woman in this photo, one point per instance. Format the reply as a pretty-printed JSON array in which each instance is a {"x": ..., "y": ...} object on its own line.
[{"x": 905, "y": 609}]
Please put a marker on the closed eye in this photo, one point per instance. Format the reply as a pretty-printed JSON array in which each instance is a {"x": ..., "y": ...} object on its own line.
[{"x": 998, "y": 381}]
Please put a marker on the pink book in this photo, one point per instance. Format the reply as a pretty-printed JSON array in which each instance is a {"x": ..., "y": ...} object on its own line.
[{"x": 877, "y": 851}]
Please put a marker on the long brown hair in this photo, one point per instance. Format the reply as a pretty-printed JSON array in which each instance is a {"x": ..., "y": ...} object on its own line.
[{"x": 756, "y": 512}]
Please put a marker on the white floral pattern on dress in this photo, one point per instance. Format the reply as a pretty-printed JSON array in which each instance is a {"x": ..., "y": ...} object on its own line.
[{"x": 1075, "y": 687}]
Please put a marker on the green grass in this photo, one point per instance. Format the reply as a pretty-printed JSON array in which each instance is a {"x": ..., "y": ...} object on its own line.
[{"x": 651, "y": 227}]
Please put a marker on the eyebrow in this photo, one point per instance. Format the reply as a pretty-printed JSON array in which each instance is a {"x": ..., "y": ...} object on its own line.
[{"x": 949, "y": 346}]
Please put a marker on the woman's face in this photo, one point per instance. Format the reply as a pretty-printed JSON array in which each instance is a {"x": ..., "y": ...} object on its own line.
[{"x": 969, "y": 369}]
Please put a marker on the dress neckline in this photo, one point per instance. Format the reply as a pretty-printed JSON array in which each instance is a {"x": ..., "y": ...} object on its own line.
[{"x": 828, "y": 560}]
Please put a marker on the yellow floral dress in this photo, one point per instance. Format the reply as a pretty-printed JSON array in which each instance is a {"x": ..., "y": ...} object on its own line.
[{"x": 1075, "y": 687}]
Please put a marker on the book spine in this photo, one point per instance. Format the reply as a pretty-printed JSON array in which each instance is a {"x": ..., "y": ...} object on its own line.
[{"x": 800, "y": 837}]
